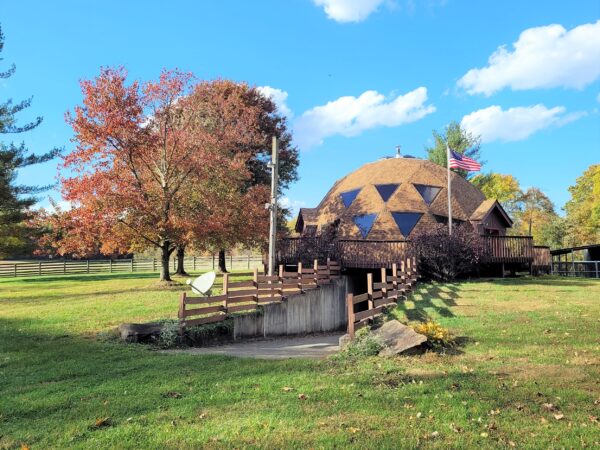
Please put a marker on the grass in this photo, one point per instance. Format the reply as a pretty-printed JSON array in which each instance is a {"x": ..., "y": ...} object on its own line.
[{"x": 527, "y": 343}]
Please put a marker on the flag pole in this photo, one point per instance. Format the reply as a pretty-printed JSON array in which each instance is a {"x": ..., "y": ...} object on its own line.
[{"x": 449, "y": 190}]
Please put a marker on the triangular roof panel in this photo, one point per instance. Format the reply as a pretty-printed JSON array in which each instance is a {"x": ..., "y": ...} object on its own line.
[
  {"x": 386, "y": 190},
  {"x": 364, "y": 223},
  {"x": 429, "y": 193},
  {"x": 406, "y": 221},
  {"x": 349, "y": 196}
]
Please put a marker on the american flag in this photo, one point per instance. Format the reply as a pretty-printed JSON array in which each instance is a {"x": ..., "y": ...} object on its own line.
[{"x": 458, "y": 161}]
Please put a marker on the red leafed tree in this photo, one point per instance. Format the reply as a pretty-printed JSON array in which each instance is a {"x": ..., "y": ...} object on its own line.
[
  {"x": 148, "y": 168},
  {"x": 225, "y": 103}
]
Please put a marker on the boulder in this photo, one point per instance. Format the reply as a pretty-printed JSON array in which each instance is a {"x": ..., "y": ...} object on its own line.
[
  {"x": 398, "y": 338},
  {"x": 139, "y": 332},
  {"x": 344, "y": 341}
]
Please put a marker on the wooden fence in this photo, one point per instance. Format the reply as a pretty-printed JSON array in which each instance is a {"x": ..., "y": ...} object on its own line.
[
  {"x": 66, "y": 267},
  {"x": 509, "y": 249},
  {"x": 542, "y": 260},
  {"x": 385, "y": 293},
  {"x": 245, "y": 296}
]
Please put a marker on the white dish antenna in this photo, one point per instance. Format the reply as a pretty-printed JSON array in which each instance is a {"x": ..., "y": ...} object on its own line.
[{"x": 203, "y": 283}]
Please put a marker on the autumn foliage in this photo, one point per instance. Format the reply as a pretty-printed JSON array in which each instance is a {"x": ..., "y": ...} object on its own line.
[{"x": 163, "y": 164}]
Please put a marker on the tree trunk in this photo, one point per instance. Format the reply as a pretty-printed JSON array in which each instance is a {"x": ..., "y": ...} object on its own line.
[
  {"x": 180, "y": 257},
  {"x": 222, "y": 265},
  {"x": 165, "y": 254}
]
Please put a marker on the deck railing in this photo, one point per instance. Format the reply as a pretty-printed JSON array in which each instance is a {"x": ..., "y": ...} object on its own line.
[
  {"x": 355, "y": 253},
  {"x": 509, "y": 249}
]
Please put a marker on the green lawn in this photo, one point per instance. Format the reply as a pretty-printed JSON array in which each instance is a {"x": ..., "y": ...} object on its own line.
[{"x": 528, "y": 342}]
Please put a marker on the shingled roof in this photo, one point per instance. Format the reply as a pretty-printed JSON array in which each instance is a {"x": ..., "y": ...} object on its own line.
[{"x": 391, "y": 198}]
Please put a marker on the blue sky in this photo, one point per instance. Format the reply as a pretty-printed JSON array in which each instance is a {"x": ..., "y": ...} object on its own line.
[{"x": 358, "y": 77}]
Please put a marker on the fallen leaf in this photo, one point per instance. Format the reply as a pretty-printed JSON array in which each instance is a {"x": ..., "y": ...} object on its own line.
[
  {"x": 102, "y": 422},
  {"x": 512, "y": 444},
  {"x": 559, "y": 416},
  {"x": 419, "y": 415},
  {"x": 203, "y": 415},
  {"x": 302, "y": 397},
  {"x": 353, "y": 430},
  {"x": 549, "y": 407},
  {"x": 435, "y": 434},
  {"x": 484, "y": 435},
  {"x": 172, "y": 394},
  {"x": 24, "y": 447},
  {"x": 287, "y": 389}
]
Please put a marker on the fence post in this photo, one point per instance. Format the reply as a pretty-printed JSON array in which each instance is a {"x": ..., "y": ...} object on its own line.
[
  {"x": 597, "y": 274},
  {"x": 231, "y": 261},
  {"x": 384, "y": 282},
  {"x": 153, "y": 264},
  {"x": 300, "y": 277},
  {"x": 181, "y": 312},
  {"x": 213, "y": 261},
  {"x": 316, "y": 269},
  {"x": 132, "y": 265},
  {"x": 65, "y": 267},
  {"x": 394, "y": 276},
  {"x": 370, "y": 290},
  {"x": 15, "y": 270},
  {"x": 110, "y": 265},
  {"x": 40, "y": 268},
  {"x": 87, "y": 266},
  {"x": 225, "y": 290},
  {"x": 194, "y": 263},
  {"x": 248, "y": 261},
  {"x": 350, "y": 307}
]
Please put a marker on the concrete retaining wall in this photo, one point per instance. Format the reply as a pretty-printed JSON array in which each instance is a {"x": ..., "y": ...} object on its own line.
[{"x": 315, "y": 311}]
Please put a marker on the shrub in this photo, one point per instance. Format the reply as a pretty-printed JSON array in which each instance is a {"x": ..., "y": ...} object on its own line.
[
  {"x": 364, "y": 344},
  {"x": 169, "y": 334},
  {"x": 438, "y": 337},
  {"x": 443, "y": 257}
]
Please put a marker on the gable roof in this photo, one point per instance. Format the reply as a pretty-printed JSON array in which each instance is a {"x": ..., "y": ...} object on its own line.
[
  {"x": 306, "y": 216},
  {"x": 485, "y": 209}
]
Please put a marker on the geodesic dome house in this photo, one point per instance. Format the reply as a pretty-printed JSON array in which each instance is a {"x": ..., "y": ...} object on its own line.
[{"x": 392, "y": 198}]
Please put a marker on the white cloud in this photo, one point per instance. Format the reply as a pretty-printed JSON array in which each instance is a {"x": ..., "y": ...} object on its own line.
[
  {"x": 292, "y": 205},
  {"x": 543, "y": 57},
  {"x": 279, "y": 97},
  {"x": 350, "y": 116},
  {"x": 349, "y": 10},
  {"x": 515, "y": 124}
]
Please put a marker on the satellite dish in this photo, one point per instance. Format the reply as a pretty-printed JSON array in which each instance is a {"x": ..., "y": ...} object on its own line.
[{"x": 203, "y": 283}]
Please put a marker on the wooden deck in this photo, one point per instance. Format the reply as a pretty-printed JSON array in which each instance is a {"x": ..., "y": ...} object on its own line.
[{"x": 374, "y": 254}]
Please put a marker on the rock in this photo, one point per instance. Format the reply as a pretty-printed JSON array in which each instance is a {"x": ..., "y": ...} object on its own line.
[
  {"x": 398, "y": 338},
  {"x": 139, "y": 332}
]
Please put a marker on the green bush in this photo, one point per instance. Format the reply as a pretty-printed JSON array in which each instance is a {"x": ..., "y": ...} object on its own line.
[{"x": 364, "y": 344}]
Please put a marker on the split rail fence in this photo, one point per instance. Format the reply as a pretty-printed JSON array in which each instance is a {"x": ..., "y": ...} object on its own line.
[
  {"x": 247, "y": 296},
  {"x": 92, "y": 266},
  {"x": 379, "y": 296}
]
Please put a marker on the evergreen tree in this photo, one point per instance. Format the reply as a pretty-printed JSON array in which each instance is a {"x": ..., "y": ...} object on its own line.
[
  {"x": 15, "y": 199},
  {"x": 459, "y": 140}
]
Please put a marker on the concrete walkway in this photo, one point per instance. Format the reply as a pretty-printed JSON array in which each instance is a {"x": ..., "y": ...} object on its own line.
[{"x": 316, "y": 347}]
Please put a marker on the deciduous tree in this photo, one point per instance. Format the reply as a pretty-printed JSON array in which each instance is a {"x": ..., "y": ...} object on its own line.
[
  {"x": 145, "y": 164},
  {"x": 583, "y": 209},
  {"x": 504, "y": 188}
]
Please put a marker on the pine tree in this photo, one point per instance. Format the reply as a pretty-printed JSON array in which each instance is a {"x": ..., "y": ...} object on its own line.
[{"x": 15, "y": 199}]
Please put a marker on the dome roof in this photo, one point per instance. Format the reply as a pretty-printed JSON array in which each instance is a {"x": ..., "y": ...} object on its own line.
[{"x": 391, "y": 198}]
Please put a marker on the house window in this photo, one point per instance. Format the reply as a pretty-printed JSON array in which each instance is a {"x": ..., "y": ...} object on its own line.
[
  {"x": 349, "y": 196},
  {"x": 310, "y": 230},
  {"x": 386, "y": 190},
  {"x": 429, "y": 193},
  {"x": 406, "y": 221},
  {"x": 364, "y": 223},
  {"x": 444, "y": 220}
]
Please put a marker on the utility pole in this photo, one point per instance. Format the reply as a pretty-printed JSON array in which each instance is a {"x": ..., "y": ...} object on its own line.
[{"x": 273, "y": 205}]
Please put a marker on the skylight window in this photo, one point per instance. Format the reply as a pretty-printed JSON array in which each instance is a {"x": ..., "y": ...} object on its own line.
[
  {"x": 365, "y": 223},
  {"x": 406, "y": 221},
  {"x": 386, "y": 190},
  {"x": 429, "y": 193},
  {"x": 349, "y": 196}
]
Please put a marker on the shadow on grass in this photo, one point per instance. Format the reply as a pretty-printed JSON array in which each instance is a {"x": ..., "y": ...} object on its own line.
[{"x": 429, "y": 297}]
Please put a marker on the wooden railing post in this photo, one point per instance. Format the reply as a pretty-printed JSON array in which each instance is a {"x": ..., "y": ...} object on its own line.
[
  {"x": 395, "y": 275},
  {"x": 370, "y": 289},
  {"x": 225, "y": 290},
  {"x": 316, "y": 274},
  {"x": 255, "y": 280},
  {"x": 181, "y": 312},
  {"x": 300, "y": 277},
  {"x": 384, "y": 282},
  {"x": 350, "y": 307}
]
